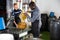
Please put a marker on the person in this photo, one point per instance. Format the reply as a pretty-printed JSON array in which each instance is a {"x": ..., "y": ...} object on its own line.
[
  {"x": 35, "y": 19},
  {"x": 16, "y": 12}
]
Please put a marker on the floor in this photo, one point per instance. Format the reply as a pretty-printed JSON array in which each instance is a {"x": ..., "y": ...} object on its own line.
[{"x": 43, "y": 36}]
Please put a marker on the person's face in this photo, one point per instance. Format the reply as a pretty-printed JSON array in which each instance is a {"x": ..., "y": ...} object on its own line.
[
  {"x": 15, "y": 6},
  {"x": 32, "y": 7}
]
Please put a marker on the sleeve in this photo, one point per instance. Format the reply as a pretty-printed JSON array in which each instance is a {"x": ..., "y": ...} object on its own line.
[
  {"x": 20, "y": 11},
  {"x": 12, "y": 13},
  {"x": 35, "y": 16}
]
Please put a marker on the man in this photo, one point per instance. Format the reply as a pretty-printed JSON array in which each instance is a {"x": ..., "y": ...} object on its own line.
[
  {"x": 16, "y": 12},
  {"x": 35, "y": 19}
]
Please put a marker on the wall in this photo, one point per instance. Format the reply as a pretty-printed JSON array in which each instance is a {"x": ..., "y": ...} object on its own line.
[
  {"x": 46, "y": 6},
  {"x": 9, "y": 7}
]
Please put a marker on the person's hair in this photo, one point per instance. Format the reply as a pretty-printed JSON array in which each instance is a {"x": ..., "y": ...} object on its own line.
[
  {"x": 32, "y": 4},
  {"x": 15, "y": 4}
]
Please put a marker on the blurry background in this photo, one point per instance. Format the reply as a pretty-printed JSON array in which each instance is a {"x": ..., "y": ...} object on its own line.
[{"x": 45, "y": 6}]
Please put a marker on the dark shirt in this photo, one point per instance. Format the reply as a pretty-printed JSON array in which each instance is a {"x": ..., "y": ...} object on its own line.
[{"x": 16, "y": 14}]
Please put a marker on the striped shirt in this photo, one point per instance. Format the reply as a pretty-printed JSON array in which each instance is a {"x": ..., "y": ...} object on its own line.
[{"x": 15, "y": 13}]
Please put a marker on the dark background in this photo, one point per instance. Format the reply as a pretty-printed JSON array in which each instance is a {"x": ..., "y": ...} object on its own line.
[{"x": 3, "y": 10}]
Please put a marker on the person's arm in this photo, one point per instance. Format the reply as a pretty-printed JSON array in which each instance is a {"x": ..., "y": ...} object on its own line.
[
  {"x": 35, "y": 16},
  {"x": 12, "y": 13},
  {"x": 19, "y": 11},
  {"x": 30, "y": 11},
  {"x": 12, "y": 16},
  {"x": 16, "y": 24}
]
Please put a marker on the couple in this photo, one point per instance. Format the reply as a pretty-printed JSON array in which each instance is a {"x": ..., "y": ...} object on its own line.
[{"x": 35, "y": 18}]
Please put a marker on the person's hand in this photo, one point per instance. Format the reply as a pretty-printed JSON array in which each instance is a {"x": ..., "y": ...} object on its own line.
[
  {"x": 14, "y": 21},
  {"x": 25, "y": 13},
  {"x": 15, "y": 24}
]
